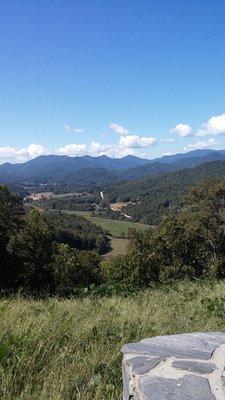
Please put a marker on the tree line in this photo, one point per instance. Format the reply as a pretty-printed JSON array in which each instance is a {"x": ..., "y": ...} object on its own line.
[{"x": 78, "y": 202}]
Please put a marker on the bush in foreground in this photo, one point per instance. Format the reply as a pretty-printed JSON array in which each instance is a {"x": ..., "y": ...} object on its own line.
[{"x": 189, "y": 244}]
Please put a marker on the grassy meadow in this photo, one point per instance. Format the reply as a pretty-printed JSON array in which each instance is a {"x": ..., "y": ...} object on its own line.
[
  {"x": 116, "y": 228},
  {"x": 57, "y": 349}
]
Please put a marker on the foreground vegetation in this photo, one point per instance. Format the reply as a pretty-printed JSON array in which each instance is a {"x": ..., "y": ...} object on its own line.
[{"x": 70, "y": 349}]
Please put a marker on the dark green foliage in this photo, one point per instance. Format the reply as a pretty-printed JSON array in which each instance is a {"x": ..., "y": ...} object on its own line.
[
  {"x": 189, "y": 244},
  {"x": 73, "y": 268},
  {"x": 79, "y": 202},
  {"x": 30, "y": 257},
  {"x": 77, "y": 231},
  {"x": 33, "y": 247},
  {"x": 11, "y": 211}
]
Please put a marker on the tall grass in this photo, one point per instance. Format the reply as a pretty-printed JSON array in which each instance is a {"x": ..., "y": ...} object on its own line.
[{"x": 70, "y": 349}]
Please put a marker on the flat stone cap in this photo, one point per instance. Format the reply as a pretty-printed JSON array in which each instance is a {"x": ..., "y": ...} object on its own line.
[{"x": 179, "y": 367}]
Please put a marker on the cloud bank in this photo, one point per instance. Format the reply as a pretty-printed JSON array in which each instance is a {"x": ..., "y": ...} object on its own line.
[
  {"x": 127, "y": 142},
  {"x": 201, "y": 144},
  {"x": 11, "y": 154}
]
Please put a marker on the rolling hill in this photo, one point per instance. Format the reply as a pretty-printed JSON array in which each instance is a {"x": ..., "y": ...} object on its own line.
[{"x": 155, "y": 196}]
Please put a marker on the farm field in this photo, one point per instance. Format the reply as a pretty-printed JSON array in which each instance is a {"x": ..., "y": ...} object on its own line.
[
  {"x": 40, "y": 196},
  {"x": 64, "y": 195},
  {"x": 70, "y": 349},
  {"x": 114, "y": 227}
]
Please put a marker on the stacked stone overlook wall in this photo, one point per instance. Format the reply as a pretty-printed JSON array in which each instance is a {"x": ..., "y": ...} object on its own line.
[{"x": 179, "y": 367}]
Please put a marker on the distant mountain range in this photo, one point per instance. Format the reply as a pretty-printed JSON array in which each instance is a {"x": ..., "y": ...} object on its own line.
[{"x": 100, "y": 170}]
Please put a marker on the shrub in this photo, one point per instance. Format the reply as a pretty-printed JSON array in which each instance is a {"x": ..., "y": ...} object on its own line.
[{"x": 72, "y": 268}]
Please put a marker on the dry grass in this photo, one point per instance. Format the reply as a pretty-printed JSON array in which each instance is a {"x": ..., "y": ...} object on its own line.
[
  {"x": 70, "y": 349},
  {"x": 118, "y": 247},
  {"x": 40, "y": 196},
  {"x": 118, "y": 206}
]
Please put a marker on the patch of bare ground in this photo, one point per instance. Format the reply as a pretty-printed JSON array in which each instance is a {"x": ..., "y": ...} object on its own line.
[
  {"x": 40, "y": 196},
  {"x": 118, "y": 206},
  {"x": 119, "y": 246}
]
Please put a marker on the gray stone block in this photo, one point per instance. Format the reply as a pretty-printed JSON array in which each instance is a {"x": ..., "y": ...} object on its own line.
[
  {"x": 188, "y": 388},
  {"x": 194, "y": 366},
  {"x": 194, "y": 345},
  {"x": 179, "y": 367},
  {"x": 141, "y": 365}
]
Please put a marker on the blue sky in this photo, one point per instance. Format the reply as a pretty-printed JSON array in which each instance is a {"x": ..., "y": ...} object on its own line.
[{"x": 144, "y": 77}]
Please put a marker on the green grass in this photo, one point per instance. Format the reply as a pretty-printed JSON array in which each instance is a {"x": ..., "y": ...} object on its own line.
[
  {"x": 70, "y": 349},
  {"x": 114, "y": 227}
]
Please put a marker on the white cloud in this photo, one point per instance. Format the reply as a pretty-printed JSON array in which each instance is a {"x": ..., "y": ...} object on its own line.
[
  {"x": 119, "y": 129},
  {"x": 7, "y": 153},
  {"x": 134, "y": 141},
  {"x": 128, "y": 141},
  {"x": 127, "y": 145},
  {"x": 94, "y": 149},
  {"x": 215, "y": 126},
  {"x": 71, "y": 129},
  {"x": 125, "y": 152},
  {"x": 72, "y": 150},
  {"x": 98, "y": 149},
  {"x": 35, "y": 150},
  {"x": 201, "y": 144},
  {"x": 12, "y": 154},
  {"x": 182, "y": 130}
]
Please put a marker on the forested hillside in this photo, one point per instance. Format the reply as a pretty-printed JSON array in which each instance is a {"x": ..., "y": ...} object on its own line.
[
  {"x": 77, "y": 232},
  {"x": 156, "y": 196}
]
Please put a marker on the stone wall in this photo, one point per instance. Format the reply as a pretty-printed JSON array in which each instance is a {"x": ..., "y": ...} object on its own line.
[{"x": 180, "y": 367}]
